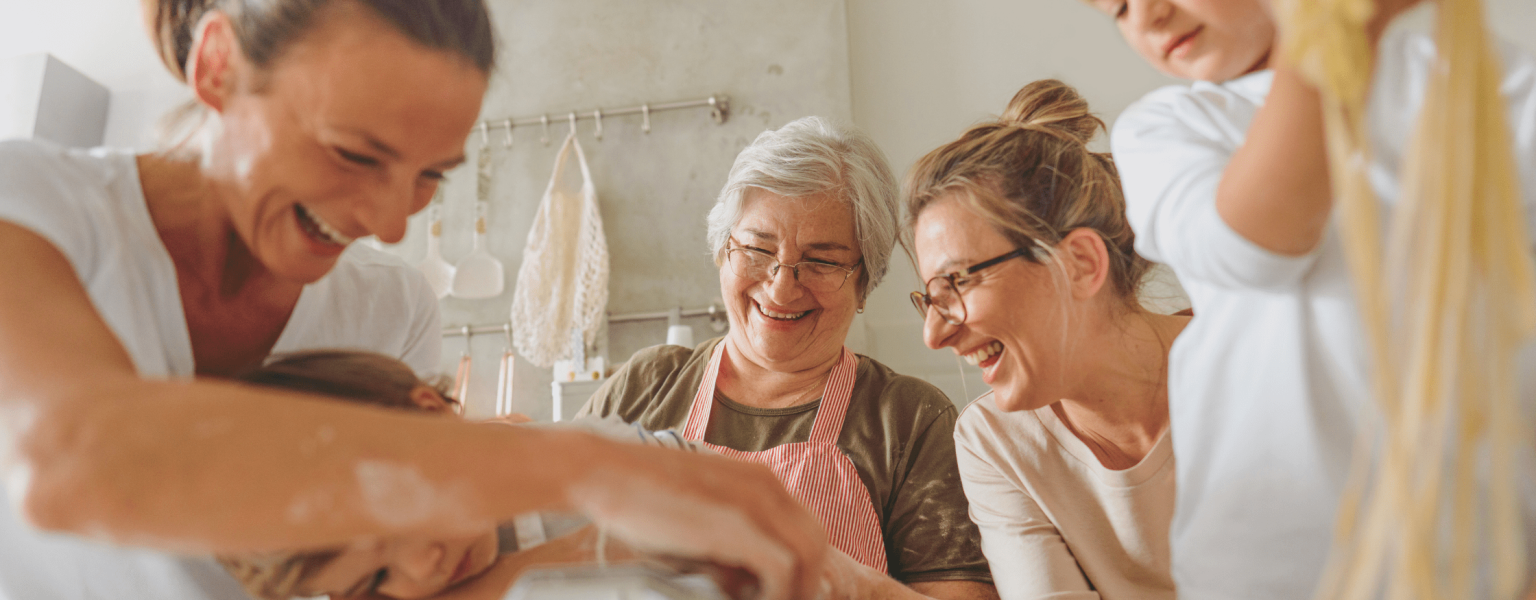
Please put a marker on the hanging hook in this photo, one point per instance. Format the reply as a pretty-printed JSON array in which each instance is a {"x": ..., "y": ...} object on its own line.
[
  {"x": 468, "y": 334},
  {"x": 507, "y": 328},
  {"x": 645, "y": 117},
  {"x": 718, "y": 107},
  {"x": 508, "y": 125},
  {"x": 717, "y": 318},
  {"x": 573, "y": 123},
  {"x": 485, "y": 135},
  {"x": 545, "y": 120},
  {"x": 597, "y": 115}
]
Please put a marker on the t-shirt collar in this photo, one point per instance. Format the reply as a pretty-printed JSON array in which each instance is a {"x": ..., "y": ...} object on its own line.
[{"x": 1253, "y": 86}]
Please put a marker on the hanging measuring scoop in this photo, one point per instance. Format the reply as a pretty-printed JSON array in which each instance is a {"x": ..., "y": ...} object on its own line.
[
  {"x": 479, "y": 275},
  {"x": 439, "y": 272}
]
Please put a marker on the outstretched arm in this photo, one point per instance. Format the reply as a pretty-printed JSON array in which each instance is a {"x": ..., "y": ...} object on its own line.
[{"x": 89, "y": 448}]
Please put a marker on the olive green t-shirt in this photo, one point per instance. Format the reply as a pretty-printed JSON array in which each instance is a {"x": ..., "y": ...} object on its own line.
[{"x": 899, "y": 433}]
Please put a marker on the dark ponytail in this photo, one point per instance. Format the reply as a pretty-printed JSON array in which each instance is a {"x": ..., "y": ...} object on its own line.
[
  {"x": 265, "y": 28},
  {"x": 170, "y": 25}
]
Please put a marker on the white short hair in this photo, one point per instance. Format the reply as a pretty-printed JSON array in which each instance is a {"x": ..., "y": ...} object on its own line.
[{"x": 813, "y": 156}]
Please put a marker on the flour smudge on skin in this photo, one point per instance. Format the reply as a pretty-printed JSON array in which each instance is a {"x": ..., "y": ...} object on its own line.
[
  {"x": 653, "y": 518},
  {"x": 400, "y": 497},
  {"x": 396, "y": 495},
  {"x": 310, "y": 506}
]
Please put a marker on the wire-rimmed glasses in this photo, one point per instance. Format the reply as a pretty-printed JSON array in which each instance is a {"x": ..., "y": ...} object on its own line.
[
  {"x": 817, "y": 276},
  {"x": 942, "y": 292}
]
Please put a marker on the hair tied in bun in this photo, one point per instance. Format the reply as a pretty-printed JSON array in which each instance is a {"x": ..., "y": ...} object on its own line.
[
  {"x": 1053, "y": 105},
  {"x": 1031, "y": 175}
]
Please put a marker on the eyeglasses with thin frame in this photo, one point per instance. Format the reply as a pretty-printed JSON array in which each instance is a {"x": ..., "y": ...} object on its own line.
[
  {"x": 816, "y": 275},
  {"x": 942, "y": 292}
]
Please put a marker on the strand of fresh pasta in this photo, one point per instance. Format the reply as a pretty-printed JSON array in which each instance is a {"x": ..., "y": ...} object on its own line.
[{"x": 1443, "y": 349}]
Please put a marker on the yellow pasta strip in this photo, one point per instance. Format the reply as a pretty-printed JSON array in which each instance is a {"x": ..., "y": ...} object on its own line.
[{"x": 1447, "y": 300}]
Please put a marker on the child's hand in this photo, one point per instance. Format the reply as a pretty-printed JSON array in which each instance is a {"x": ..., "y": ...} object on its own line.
[{"x": 1386, "y": 12}]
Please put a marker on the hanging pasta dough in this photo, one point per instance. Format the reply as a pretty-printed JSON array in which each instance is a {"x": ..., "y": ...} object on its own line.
[{"x": 1447, "y": 299}]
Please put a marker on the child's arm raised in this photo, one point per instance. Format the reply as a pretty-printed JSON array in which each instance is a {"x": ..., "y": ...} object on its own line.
[{"x": 1275, "y": 192}]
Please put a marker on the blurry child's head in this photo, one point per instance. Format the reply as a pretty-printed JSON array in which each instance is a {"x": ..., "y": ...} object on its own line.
[
  {"x": 1206, "y": 40},
  {"x": 400, "y": 567}
]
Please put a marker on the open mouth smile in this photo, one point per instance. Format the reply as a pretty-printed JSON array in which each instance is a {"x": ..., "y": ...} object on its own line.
[
  {"x": 777, "y": 316},
  {"x": 985, "y": 356},
  {"x": 317, "y": 228}
]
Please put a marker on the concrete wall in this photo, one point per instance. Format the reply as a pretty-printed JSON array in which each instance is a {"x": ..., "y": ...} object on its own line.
[{"x": 778, "y": 61}]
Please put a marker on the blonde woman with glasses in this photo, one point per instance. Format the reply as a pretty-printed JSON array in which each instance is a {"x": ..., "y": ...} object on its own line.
[
  {"x": 1021, "y": 236},
  {"x": 802, "y": 232}
]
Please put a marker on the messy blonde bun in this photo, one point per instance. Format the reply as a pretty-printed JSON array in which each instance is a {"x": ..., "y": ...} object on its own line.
[
  {"x": 1031, "y": 174},
  {"x": 1054, "y": 107}
]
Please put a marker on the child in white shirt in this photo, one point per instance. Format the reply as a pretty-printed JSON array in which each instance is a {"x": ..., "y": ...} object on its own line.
[{"x": 1226, "y": 182}]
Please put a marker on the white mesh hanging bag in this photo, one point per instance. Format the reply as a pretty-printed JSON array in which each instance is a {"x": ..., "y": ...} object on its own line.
[{"x": 562, "y": 285}]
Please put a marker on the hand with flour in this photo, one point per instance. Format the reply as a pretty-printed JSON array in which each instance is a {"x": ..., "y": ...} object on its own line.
[
  {"x": 708, "y": 507},
  {"x": 848, "y": 579}
]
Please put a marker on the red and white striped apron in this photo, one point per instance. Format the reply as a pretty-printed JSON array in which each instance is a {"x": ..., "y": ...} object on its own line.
[{"x": 815, "y": 471}]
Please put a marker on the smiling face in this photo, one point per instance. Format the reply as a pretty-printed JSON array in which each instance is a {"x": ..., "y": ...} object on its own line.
[
  {"x": 404, "y": 567},
  {"x": 1014, "y": 310},
  {"x": 1206, "y": 40},
  {"x": 346, "y": 135},
  {"x": 779, "y": 324}
]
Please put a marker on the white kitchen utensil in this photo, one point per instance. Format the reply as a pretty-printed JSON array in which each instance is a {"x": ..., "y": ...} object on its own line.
[
  {"x": 461, "y": 379},
  {"x": 678, "y": 334},
  {"x": 439, "y": 272},
  {"x": 504, "y": 378},
  {"x": 561, "y": 296},
  {"x": 479, "y": 275}
]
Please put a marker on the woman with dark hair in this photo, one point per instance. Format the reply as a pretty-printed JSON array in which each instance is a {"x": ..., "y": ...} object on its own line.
[{"x": 135, "y": 281}]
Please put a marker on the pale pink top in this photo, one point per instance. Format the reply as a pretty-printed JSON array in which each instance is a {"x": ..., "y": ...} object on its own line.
[{"x": 1055, "y": 523}]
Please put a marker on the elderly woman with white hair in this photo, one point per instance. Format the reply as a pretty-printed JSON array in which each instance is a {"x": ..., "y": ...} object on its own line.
[{"x": 802, "y": 231}]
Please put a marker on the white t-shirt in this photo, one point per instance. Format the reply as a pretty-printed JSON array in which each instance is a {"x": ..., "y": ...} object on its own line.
[
  {"x": 1055, "y": 522},
  {"x": 91, "y": 206},
  {"x": 1268, "y": 382}
]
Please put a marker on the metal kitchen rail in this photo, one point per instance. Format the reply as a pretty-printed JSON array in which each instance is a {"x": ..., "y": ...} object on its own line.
[
  {"x": 713, "y": 311},
  {"x": 719, "y": 106}
]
